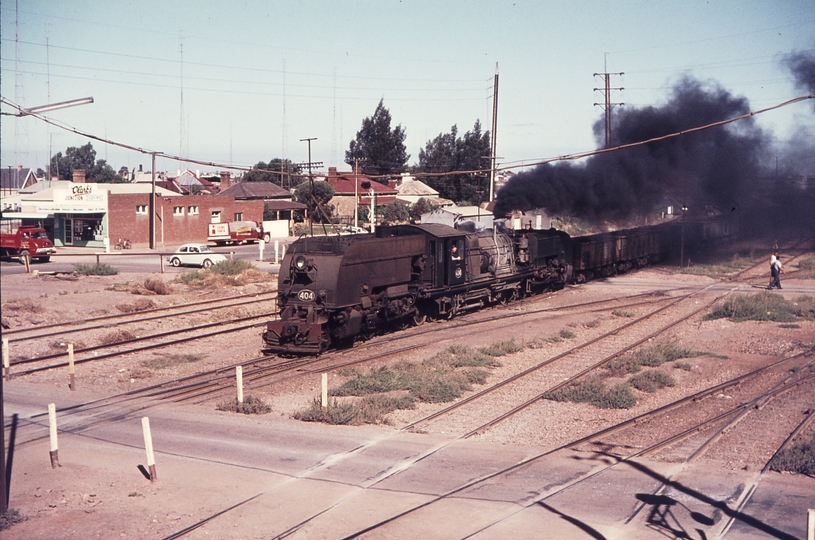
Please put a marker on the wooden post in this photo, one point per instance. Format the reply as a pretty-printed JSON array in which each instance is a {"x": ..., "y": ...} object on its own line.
[
  {"x": 27, "y": 263},
  {"x": 52, "y": 425},
  {"x": 276, "y": 251},
  {"x": 72, "y": 382},
  {"x": 161, "y": 263},
  {"x": 97, "y": 259},
  {"x": 239, "y": 379},
  {"x": 148, "y": 446},
  {"x": 325, "y": 392},
  {"x": 6, "y": 359}
]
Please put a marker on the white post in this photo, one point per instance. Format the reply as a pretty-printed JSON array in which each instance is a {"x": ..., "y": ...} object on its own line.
[
  {"x": 276, "y": 251},
  {"x": 538, "y": 220},
  {"x": 810, "y": 524},
  {"x": 373, "y": 211},
  {"x": 148, "y": 446},
  {"x": 261, "y": 246},
  {"x": 52, "y": 426},
  {"x": 325, "y": 392},
  {"x": 6, "y": 359},
  {"x": 239, "y": 380},
  {"x": 282, "y": 252},
  {"x": 72, "y": 381},
  {"x": 107, "y": 244}
]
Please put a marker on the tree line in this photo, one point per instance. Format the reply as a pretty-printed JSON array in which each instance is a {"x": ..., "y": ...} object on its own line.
[{"x": 378, "y": 148}]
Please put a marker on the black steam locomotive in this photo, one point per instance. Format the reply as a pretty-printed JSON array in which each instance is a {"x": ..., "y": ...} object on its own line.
[{"x": 336, "y": 289}]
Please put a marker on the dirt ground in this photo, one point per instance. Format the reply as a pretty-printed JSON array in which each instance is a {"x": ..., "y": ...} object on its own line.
[{"x": 122, "y": 504}]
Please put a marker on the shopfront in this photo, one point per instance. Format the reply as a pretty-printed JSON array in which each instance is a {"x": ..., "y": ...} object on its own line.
[{"x": 80, "y": 215}]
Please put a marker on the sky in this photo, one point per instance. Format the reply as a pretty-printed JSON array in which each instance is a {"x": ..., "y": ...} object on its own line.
[{"x": 238, "y": 82}]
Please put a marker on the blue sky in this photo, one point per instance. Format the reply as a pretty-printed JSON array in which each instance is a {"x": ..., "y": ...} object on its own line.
[{"x": 241, "y": 82}]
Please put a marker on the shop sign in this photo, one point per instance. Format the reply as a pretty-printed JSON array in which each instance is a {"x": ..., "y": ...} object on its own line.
[{"x": 82, "y": 198}]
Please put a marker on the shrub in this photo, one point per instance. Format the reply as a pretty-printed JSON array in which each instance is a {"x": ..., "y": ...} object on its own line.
[
  {"x": 158, "y": 286},
  {"x": 231, "y": 267},
  {"x": 764, "y": 306},
  {"x": 369, "y": 410},
  {"x": 621, "y": 313},
  {"x": 25, "y": 305},
  {"x": 250, "y": 405},
  {"x": 463, "y": 356},
  {"x": 798, "y": 458},
  {"x": 116, "y": 336},
  {"x": 591, "y": 390},
  {"x": 566, "y": 334},
  {"x": 99, "y": 269},
  {"x": 502, "y": 348},
  {"x": 10, "y": 518},
  {"x": 652, "y": 356},
  {"x": 683, "y": 365},
  {"x": 619, "y": 397},
  {"x": 142, "y": 304},
  {"x": 651, "y": 381},
  {"x": 169, "y": 360}
]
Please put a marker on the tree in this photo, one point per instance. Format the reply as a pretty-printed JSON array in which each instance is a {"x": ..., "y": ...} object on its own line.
[
  {"x": 83, "y": 157},
  {"x": 323, "y": 192},
  {"x": 291, "y": 173},
  {"x": 449, "y": 153},
  {"x": 395, "y": 212},
  {"x": 381, "y": 149},
  {"x": 422, "y": 206}
]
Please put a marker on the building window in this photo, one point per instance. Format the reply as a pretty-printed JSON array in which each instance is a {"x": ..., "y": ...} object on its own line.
[
  {"x": 141, "y": 209},
  {"x": 216, "y": 216},
  {"x": 192, "y": 210},
  {"x": 238, "y": 216},
  {"x": 178, "y": 210}
]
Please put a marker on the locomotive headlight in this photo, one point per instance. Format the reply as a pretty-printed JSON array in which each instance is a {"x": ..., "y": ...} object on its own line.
[{"x": 300, "y": 262}]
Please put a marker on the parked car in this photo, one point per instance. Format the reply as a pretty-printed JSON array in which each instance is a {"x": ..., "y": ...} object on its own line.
[{"x": 195, "y": 255}]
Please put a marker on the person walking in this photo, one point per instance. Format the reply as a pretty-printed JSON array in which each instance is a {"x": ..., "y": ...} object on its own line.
[{"x": 775, "y": 271}]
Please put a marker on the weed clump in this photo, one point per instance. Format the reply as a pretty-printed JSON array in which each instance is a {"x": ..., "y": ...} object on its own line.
[
  {"x": 736, "y": 264},
  {"x": 368, "y": 410},
  {"x": 158, "y": 286},
  {"x": 651, "y": 381},
  {"x": 503, "y": 348},
  {"x": 653, "y": 356},
  {"x": 10, "y": 518},
  {"x": 170, "y": 360},
  {"x": 116, "y": 336},
  {"x": 225, "y": 274},
  {"x": 142, "y": 304},
  {"x": 24, "y": 305},
  {"x": 231, "y": 267},
  {"x": 764, "y": 306},
  {"x": 99, "y": 269},
  {"x": 250, "y": 405},
  {"x": 622, "y": 313},
  {"x": 591, "y": 390},
  {"x": 799, "y": 458}
]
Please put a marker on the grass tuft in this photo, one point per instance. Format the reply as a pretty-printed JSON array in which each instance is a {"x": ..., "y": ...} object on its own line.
[
  {"x": 250, "y": 405},
  {"x": 100, "y": 269},
  {"x": 764, "y": 306},
  {"x": 158, "y": 286},
  {"x": 142, "y": 304},
  {"x": 368, "y": 410},
  {"x": 736, "y": 264},
  {"x": 503, "y": 348},
  {"x": 622, "y": 313},
  {"x": 652, "y": 356},
  {"x": 591, "y": 390},
  {"x": 10, "y": 518},
  {"x": 651, "y": 381},
  {"x": 170, "y": 360},
  {"x": 116, "y": 336},
  {"x": 24, "y": 305}
]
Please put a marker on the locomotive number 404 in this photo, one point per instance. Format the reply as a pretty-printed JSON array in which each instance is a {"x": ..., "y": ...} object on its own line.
[{"x": 306, "y": 295}]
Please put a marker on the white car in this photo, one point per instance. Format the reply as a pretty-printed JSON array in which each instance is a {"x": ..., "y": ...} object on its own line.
[{"x": 195, "y": 255}]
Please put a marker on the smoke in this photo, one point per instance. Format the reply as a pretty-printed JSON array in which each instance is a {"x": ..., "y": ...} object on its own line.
[
  {"x": 802, "y": 67},
  {"x": 717, "y": 166}
]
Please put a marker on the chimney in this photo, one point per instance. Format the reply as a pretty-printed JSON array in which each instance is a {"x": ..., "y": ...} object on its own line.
[
  {"x": 140, "y": 169},
  {"x": 332, "y": 172},
  {"x": 79, "y": 176},
  {"x": 392, "y": 183},
  {"x": 19, "y": 167},
  {"x": 225, "y": 181}
]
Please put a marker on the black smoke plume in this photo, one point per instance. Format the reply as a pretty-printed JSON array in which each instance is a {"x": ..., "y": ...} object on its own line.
[
  {"x": 717, "y": 166},
  {"x": 802, "y": 67}
]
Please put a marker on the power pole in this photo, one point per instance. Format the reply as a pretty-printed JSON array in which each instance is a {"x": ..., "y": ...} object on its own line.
[
  {"x": 493, "y": 135},
  {"x": 607, "y": 104}
]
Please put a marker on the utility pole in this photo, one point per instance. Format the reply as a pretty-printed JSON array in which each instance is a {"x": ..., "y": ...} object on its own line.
[
  {"x": 493, "y": 135},
  {"x": 607, "y": 104},
  {"x": 153, "y": 204}
]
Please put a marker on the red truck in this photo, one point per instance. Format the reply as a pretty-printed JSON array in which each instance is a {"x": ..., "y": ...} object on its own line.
[
  {"x": 234, "y": 232},
  {"x": 27, "y": 241}
]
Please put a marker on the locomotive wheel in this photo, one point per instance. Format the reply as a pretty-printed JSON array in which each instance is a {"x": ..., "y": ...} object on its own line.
[
  {"x": 325, "y": 341},
  {"x": 419, "y": 318}
]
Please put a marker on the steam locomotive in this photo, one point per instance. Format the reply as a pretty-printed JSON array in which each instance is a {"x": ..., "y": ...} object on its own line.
[{"x": 333, "y": 290}]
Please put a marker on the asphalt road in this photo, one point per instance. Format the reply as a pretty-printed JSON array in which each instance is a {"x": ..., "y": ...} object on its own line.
[{"x": 131, "y": 260}]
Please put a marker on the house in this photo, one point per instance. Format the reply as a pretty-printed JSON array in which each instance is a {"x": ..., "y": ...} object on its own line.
[
  {"x": 354, "y": 186},
  {"x": 275, "y": 199},
  {"x": 409, "y": 191},
  {"x": 12, "y": 180}
]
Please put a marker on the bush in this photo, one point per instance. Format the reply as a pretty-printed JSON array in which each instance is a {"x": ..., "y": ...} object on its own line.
[
  {"x": 651, "y": 381},
  {"x": 369, "y": 410},
  {"x": 158, "y": 286},
  {"x": 230, "y": 268},
  {"x": 619, "y": 397},
  {"x": 10, "y": 518},
  {"x": 142, "y": 304},
  {"x": 566, "y": 334},
  {"x": 591, "y": 390},
  {"x": 764, "y": 306},
  {"x": 621, "y": 313},
  {"x": 683, "y": 365},
  {"x": 653, "y": 356},
  {"x": 100, "y": 269},
  {"x": 502, "y": 348},
  {"x": 463, "y": 356},
  {"x": 116, "y": 336},
  {"x": 169, "y": 360},
  {"x": 799, "y": 458},
  {"x": 250, "y": 405}
]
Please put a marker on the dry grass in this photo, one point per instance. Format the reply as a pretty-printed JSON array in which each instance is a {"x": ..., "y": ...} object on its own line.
[
  {"x": 24, "y": 305},
  {"x": 142, "y": 304},
  {"x": 250, "y": 405},
  {"x": 117, "y": 336},
  {"x": 158, "y": 286},
  {"x": 169, "y": 360}
]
